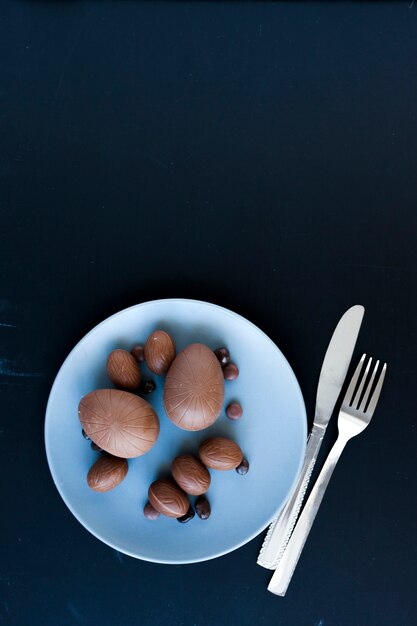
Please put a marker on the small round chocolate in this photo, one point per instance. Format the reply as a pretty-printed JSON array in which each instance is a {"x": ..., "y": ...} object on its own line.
[
  {"x": 138, "y": 352},
  {"x": 150, "y": 512},
  {"x": 84, "y": 434},
  {"x": 223, "y": 356},
  {"x": 243, "y": 468},
  {"x": 234, "y": 411},
  {"x": 187, "y": 517},
  {"x": 147, "y": 386},
  {"x": 96, "y": 448},
  {"x": 202, "y": 507},
  {"x": 230, "y": 372}
]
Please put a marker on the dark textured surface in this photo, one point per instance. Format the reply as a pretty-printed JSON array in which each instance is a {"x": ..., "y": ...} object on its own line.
[{"x": 260, "y": 156}]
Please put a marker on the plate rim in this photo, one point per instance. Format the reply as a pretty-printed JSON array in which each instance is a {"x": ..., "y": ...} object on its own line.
[{"x": 49, "y": 454}]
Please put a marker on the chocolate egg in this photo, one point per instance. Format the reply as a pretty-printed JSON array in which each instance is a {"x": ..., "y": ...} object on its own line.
[
  {"x": 123, "y": 369},
  {"x": 194, "y": 388},
  {"x": 220, "y": 453},
  {"x": 107, "y": 473},
  {"x": 159, "y": 352},
  {"x": 167, "y": 498},
  {"x": 119, "y": 422},
  {"x": 190, "y": 474}
]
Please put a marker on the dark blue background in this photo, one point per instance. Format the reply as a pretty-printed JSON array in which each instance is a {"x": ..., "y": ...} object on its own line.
[{"x": 258, "y": 155}]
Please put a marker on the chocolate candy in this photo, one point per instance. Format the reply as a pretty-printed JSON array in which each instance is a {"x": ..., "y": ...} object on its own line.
[
  {"x": 187, "y": 517},
  {"x": 138, "y": 352},
  {"x": 167, "y": 498},
  {"x": 243, "y": 468},
  {"x": 220, "y": 453},
  {"x": 95, "y": 447},
  {"x": 159, "y": 352},
  {"x": 107, "y": 473},
  {"x": 230, "y": 372},
  {"x": 202, "y": 507},
  {"x": 123, "y": 369},
  {"x": 149, "y": 512},
  {"x": 190, "y": 474},
  {"x": 222, "y": 355},
  {"x": 194, "y": 388},
  {"x": 234, "y": 411},
  {"x": 119, "y": 422},
  {"x": 147, "y": 386}
]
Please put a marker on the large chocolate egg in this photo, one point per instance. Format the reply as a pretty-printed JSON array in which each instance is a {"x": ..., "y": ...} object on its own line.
[
  {"x": 194, "y": 388},
  {"x": 119, "y": 422}
]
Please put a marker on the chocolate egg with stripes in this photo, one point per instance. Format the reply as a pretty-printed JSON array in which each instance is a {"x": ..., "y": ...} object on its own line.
[
  {"x": 119, "y": 422},
  {"x": 194, "y": 388}
]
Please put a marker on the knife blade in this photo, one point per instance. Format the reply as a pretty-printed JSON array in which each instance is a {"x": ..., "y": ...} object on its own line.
[{"x": 332, "y": 376}]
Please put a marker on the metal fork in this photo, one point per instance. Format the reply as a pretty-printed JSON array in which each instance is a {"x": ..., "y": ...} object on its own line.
[{"x": 355, "y": 414}]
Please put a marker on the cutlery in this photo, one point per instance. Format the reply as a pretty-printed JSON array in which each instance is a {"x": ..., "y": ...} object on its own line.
[
  {"x": 333, "y": 373},
  {"x": 355, "y": 414}
]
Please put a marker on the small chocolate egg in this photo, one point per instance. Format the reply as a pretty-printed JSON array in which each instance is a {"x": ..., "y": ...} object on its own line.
[
  {"x": 167, "y": 498},
  {"x": 123, "y": 369},
  {"x": 190, "y": 474},
  {"x": 107, "y": 473},
  {"x": 194, "y": 388},
  {"x": 220, "y": 453},
  {"x": 119, "y": 422},
  {"x": 159, "y": 352}
]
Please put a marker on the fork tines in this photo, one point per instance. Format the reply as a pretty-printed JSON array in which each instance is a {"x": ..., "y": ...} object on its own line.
[{"x": 357, "y": 397}]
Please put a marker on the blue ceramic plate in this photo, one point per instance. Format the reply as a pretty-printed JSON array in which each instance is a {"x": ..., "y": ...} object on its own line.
[{"x": 271, "y": 433}]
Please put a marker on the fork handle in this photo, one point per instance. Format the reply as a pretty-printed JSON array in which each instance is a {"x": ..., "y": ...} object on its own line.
[{"x": 285, "y": 569}]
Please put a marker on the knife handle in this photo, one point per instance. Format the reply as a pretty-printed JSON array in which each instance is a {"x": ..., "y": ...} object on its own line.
[
  {"x": 285, "y": 569},
  {"x": 280, "y": 530}
]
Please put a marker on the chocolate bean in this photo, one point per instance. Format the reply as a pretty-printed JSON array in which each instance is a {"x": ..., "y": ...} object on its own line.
[
  {"x": 234, "y": 411},
  {"x": 230, "y": 372},
  {"x": 223, "y": 356},
  {"x": 202, "y": 507},
  {"x": 138, "y": 352},
  {"x": 243, "y": 468},
  {"x": 149, "y": 512},
  {"x": 148, "y": 386},
  {"x": 187, "y": 517},
  {"x": 96, "y": 448}
]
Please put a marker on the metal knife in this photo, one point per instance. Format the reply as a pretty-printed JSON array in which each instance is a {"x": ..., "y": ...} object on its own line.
[{"x": 332, "y": 376}]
